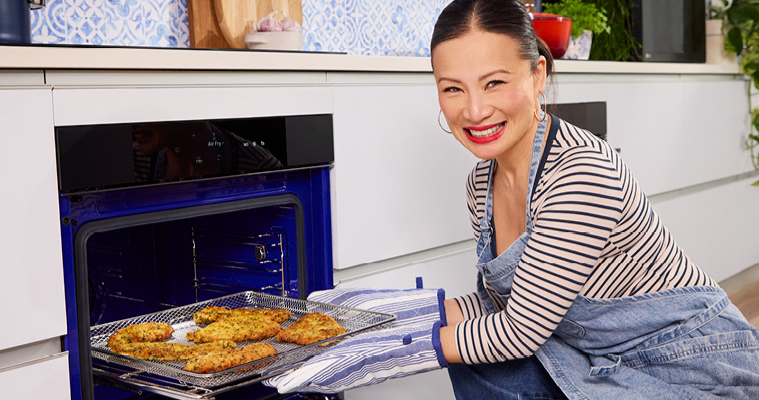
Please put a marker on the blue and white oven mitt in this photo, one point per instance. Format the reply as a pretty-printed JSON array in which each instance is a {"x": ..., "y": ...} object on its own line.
[
  {"x": 367, "y": 359},
  {"x": 410, "y": 306},
  {"x": 410, "y": 346}
]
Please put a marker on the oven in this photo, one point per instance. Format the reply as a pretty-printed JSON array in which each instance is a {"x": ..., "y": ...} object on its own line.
[{"x": 163, "y": 215}]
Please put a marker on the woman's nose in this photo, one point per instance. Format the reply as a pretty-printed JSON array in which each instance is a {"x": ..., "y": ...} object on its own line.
[{"x": 477, "y": 109}]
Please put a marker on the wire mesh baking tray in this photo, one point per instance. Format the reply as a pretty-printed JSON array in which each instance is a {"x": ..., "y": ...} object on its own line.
[{"x": 180, "y": 318}]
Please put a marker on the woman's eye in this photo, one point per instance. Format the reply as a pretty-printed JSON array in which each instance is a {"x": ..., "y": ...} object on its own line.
[
  {"x": 494, "y": 83},
  {"x": 451, "y": 89}
]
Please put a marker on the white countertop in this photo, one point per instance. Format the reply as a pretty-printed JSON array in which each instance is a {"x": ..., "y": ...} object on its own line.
[{"x": 131, "y": 58}]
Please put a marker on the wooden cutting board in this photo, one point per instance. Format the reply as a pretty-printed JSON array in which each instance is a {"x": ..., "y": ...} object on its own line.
[{"x": 224, "y": 23}]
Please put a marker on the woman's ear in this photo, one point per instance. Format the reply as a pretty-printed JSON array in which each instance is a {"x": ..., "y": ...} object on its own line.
[{"x": 540, "y": 77}]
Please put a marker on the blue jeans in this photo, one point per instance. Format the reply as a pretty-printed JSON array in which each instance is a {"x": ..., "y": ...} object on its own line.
[{"x": 522, "y": 379}]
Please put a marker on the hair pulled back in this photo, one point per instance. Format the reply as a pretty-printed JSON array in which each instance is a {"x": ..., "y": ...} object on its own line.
[{"x": 507, "y": 17}]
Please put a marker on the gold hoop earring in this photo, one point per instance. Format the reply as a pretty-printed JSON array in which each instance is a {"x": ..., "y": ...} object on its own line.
[
  {"x": 440, "y": 123},
  {"x": 545, "y": 113}
]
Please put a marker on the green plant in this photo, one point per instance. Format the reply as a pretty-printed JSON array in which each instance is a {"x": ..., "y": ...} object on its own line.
[
  {"x": 584, "y": 16},
  {"x": 619, "y": 43},
  {"x": 741, "y": 29}
]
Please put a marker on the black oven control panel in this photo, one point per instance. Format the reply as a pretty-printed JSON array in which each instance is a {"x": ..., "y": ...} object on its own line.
[{"x": 94, "y": 157}]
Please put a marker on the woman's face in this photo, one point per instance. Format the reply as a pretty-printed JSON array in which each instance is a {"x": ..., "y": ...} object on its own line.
[{"x": 487, "y": 92}]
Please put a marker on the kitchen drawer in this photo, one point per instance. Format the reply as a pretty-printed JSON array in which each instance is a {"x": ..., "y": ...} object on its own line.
[{"x": 46, "y": 378}]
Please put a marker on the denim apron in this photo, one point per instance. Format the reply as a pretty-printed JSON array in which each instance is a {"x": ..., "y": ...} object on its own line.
[{"x": 684, "y": 343}]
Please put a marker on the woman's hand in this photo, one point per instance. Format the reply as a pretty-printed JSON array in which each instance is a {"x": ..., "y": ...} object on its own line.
[
  {"x": 367, "y": 359},
  {"x": 453, "y": 316}
]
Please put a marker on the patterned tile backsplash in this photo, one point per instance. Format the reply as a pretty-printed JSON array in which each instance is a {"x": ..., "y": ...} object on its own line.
[
  {"x": 361, "y": 27},
  {"x": 153, "y": 23}
]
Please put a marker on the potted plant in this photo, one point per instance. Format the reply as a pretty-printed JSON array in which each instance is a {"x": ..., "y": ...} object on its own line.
[
  {"x": 619, "y": 43},
  {"x": 740, "y": 25},
  {"x": 587, "y": 19},
  {"x": 715, "y": 37}
]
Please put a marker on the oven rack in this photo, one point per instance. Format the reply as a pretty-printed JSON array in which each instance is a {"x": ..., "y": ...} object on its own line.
[{"x": 170, "y": 379}]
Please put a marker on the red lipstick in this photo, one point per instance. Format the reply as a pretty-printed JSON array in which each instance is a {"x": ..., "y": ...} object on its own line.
[{"x": 485, "y": 139}]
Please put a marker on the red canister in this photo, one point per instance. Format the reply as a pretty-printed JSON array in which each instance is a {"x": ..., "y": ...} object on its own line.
[{"x": 555, "y": 30}]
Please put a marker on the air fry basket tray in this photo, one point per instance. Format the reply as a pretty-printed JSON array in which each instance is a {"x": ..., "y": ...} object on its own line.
[{"x": 180, "y": 318}]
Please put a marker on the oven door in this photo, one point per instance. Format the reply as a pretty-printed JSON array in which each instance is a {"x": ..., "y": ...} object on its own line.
[
  {"x": 136, "y": 256},
  {"x": 135, "y": 242}
]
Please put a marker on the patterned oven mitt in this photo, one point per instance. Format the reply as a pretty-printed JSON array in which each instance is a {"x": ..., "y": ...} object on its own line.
[
  {"x": 410, "y": 346},
  {"x": 410, "y": 306}
]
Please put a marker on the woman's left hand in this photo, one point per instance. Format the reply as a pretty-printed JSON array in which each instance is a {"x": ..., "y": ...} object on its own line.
[{"x": 367, "y": 359}]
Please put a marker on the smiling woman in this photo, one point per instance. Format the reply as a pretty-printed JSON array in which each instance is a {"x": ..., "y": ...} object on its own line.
[{"x": 571, "y": 254}]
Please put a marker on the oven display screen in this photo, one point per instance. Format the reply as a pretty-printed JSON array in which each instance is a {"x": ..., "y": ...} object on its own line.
[{"x": 92, "y": 157}]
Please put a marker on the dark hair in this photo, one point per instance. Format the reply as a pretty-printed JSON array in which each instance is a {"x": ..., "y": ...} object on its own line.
[{"x": 508, "y": 17}]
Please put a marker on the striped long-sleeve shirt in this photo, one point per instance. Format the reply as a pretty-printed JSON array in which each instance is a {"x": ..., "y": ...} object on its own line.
[{"x": 594, "y": 234}]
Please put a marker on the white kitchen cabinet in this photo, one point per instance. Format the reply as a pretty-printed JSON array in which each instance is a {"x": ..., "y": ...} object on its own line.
[
  {"x": 717, "y": 228},
  {"x": 673, "y": 131},
  {"x": 76, "y": 105},
  {"x": 398, "y": 178},
  {"x": 42, "y": 379},
  {"x": 31, "y": 288}
]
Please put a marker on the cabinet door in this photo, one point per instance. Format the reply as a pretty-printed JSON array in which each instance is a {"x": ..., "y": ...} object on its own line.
[
  {"x": 672, "y": 133},
  {"x": 716, "y": 228},
  {"x": 399, "y": 180},
  {"x": 43, "y": 379},
  {"x": 31, "y": 288}
]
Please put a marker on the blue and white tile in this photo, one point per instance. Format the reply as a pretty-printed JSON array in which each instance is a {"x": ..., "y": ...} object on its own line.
[
  {"x": 159, "y": 23},
  {"x": 125, "y": 23},
  {"x": 86, "y": 22},
  {"x": 365, "y": 27},
  {"x": 378, "y": 27},
  {"x": 112, "y": 22},
  {"x": 49, "y": 24}
]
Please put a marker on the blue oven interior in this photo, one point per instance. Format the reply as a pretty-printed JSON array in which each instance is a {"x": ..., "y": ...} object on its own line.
[{"x": 135, "y": 246}]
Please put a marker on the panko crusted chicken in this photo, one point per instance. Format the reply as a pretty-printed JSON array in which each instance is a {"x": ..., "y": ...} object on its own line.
[
  {"x": 213, "y": 313},
  {"x": 236, "y": 328},
  {"x": 221, "y": 360},
  {"x": 311, "y": 328},
  {"x": 139, "y": 333},
  {"x": 162, "y": 351}
]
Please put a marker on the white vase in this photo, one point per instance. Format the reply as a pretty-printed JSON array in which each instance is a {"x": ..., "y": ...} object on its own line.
[
  {"x": 715, "y": 44},
  {"x": 579, "y": 47}
]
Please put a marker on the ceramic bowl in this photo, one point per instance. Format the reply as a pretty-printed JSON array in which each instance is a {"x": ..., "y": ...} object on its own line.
[
  {"x": 555, "y": 30},
  {"x": 292, "y": 41}
]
